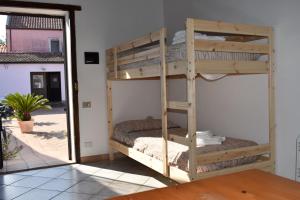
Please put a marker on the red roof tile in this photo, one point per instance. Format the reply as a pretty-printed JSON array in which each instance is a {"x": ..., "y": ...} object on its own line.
[
  {"x": 30, "y": 22},
  {"x": 6, "y": 58}
]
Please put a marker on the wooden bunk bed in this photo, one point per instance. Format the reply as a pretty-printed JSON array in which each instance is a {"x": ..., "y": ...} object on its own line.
[{"x": 239, "y": 39}]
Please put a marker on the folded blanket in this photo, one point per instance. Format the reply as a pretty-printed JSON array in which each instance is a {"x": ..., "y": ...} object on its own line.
[
  {"x": 201, "y": 142},
  {"x": 204, "y": 134},
  {"x": 204, "y": 138}
]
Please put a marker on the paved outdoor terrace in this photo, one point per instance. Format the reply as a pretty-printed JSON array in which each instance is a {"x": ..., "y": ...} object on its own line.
[
  {"x": 47, "y": 145},
  {"x": 82, "y": 182}
]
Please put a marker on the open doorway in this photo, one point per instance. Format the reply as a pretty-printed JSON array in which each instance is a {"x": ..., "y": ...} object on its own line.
[{"x": 33, "y": 61}]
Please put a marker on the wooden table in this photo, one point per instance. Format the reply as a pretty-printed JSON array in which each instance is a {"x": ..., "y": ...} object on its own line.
[{"x": 247, "y": 185}]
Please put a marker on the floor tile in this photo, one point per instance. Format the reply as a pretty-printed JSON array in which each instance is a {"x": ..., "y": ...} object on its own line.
[
  {"x": 99, "y": 197},
  {"x": 108, "y": 173},
  {"x": 87, "y": 169},
  {"x": 50, "y": 173},
  {"x": 10, "y": 192},
  {"x": 108, "y": 193},
  {"x": 28, "y": 173},
  {"x": 152, "y": 182},
  {"x": 10, "y": 178},
  {"x": 102, "y": 181},
  {"x": 124, "y": 188},
  {"x": 73, "y": 174},
  {"x": 143, "y": 189},
  {"x": 103, "y": 196},
  {"x": 58, "y": 184},
  {"x": 86, "y": 187},
  {"x": 67, "y": 167},
  {"x": 72, "y": 196},
  {"x": 96, "y": 182},
  {"x": 31, "y": 182},
  {"x": 37, "y": 194},
  {"x": 133, "y": 178}
]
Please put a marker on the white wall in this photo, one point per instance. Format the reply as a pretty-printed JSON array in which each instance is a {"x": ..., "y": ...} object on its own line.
[
  {"x": 235, "y": 106},
  {"x": 100, "y": 25},
  {"x": 16, "y": 77},
  {"x": 283, "y": 16}
]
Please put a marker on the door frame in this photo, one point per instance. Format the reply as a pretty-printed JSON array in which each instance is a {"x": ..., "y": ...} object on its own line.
[{"x": 68, "y": 14}]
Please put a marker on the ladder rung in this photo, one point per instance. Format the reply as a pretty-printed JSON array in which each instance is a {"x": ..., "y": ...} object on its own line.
[
  {"x": 177, "y": 105},
  {"x": 178, "y": 139}
]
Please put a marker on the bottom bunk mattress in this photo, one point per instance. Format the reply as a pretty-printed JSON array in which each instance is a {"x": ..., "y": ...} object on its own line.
[{"x": 149, "y": 142}]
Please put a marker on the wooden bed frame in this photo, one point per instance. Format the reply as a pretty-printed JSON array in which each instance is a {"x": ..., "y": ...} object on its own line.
[{"x": 238, "y": 37}]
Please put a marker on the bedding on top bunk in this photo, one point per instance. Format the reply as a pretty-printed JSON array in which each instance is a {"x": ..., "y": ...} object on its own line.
[
  {"x": 145, "y": 136},
  {"x": 180, "y": 37},
  {"x": 177, "y": 52}
]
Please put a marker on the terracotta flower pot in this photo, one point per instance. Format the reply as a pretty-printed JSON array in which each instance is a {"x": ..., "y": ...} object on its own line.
[{"x": 26, "y": 126}]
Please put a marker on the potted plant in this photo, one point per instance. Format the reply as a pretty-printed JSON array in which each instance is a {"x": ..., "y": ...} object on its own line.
[{"x": 23, "y": 106}]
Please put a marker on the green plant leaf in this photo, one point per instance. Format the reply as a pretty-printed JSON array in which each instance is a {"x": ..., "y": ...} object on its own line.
[{"x": 24, "y": 105}]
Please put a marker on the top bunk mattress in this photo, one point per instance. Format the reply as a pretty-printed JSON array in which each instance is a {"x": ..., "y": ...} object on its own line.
[
  {"x": 149, "y": 142},
  {"x": 177, "y": 52}
]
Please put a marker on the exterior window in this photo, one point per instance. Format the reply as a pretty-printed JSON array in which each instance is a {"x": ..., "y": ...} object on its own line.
[
  {"x": 54, "y": 46},
  {"x": 37, "y": 81}
]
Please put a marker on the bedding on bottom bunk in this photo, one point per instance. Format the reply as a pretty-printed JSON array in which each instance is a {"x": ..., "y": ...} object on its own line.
[{"x": 149, "y": 142}]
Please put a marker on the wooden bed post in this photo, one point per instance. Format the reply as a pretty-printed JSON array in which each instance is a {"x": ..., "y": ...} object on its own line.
[
  {"x": 115, "y": 50},
  {"x": 164, "y": 118},
  {"x": 191, "y": 97},
  {"x": 109, "y": 116},
  {"x": 272, "y": 122}
]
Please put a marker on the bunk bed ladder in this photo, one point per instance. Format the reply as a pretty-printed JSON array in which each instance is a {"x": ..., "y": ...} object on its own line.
[
  {"x": 190, "y": 105},
  {"x": 164, "y": 117}
]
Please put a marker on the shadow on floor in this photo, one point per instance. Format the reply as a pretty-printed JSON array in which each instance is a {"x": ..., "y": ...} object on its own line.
[
  {"x": 44, "y": 123},
  {"x": 52, "y": 134}
]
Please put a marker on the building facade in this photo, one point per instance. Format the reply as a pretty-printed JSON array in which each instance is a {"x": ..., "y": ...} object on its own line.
[{"x": 33, "y": 61}]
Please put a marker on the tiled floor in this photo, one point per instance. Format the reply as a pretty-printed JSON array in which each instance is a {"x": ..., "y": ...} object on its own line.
[
  {"x": 46, "y": 146},
  {"x": 81, "y": 182}
]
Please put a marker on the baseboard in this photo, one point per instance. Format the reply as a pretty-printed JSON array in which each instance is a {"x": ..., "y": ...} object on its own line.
[{"x": 97, "y": 158}]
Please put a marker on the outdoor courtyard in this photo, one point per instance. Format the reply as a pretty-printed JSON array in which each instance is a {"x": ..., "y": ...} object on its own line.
[{"x": 47, "y": 145}]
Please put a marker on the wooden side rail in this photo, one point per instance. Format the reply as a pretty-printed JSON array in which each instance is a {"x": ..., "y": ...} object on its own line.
[
  {"x": 144, "y": 55},
  {"x": 138, "y": 156},
  {"x": 173, "y": 68},
  {"x": 237, "y": 41},
  {"x": 141, "y": 49},
  {"x": 230, "y": 28},
  {"x": 228, "y": 46},
  {"x": 178, "y": 139},
  {"x": 141, "y": 41},
  {"x": 232, "y": 154},
  {"x": 264, "y": 165}
]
